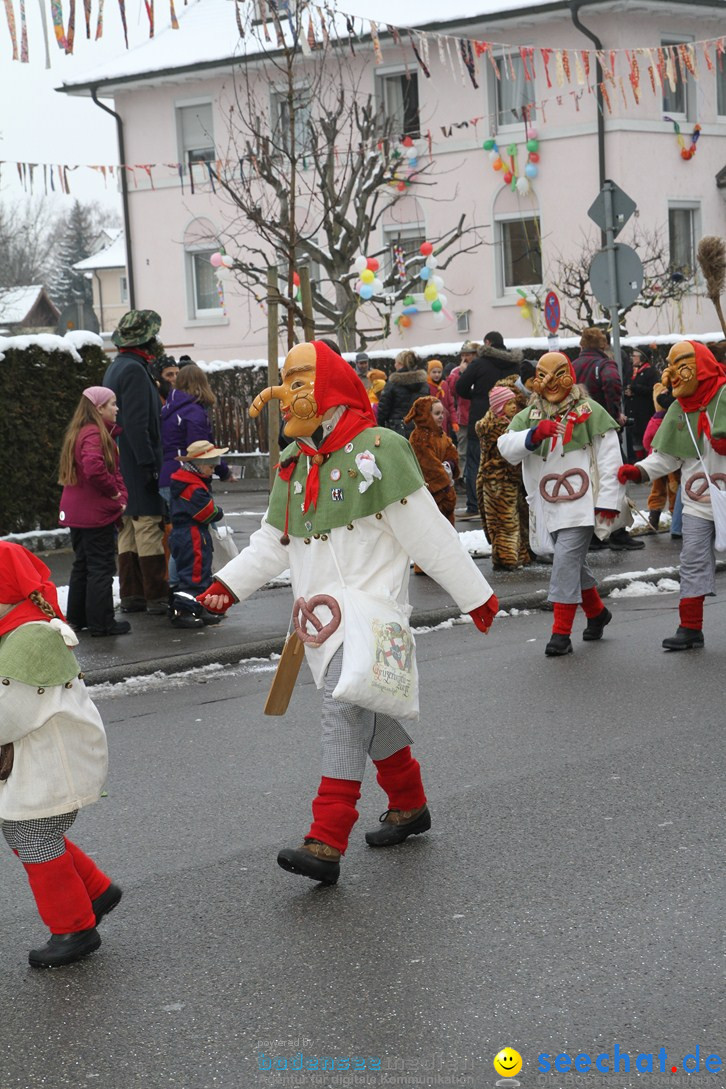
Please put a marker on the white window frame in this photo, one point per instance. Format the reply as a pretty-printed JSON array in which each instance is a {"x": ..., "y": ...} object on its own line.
[
  {"x": 278, "y": 99},
  {"x": 503, "y": 289},
  {"x": 495, "y": 84},
  {"x": 694, "y": 207},
  {"x": 123, "y": 289},
  {"x": 689, "y": 90},
  {"x": 201, "y": 174},
  {"x": 404, "y": 232},
  {"x": 463, "y": 321},
  {"x": 383, "y": 78},
  {"x": 198, "y": 313}
]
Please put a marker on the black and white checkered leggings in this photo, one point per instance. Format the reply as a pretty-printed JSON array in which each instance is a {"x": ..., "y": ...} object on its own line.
[{"x": 39, "y": 840}]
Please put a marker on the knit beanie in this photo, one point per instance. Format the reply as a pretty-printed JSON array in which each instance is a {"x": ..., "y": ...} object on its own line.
[
  {"x": 434, "y": 363},
  {"x": 498, "y": 398},
  {"x": 98, "y": 395}
]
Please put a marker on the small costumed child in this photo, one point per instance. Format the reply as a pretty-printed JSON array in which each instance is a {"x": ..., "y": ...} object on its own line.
[
  {"x": 193, "y": 510},
  {"x": 435, "y": 452},
  {"x": 692, "y": 438},
  {"x": 499, "y": 489},
  {"x": 53, "y": 759},
  {"x": 568, "y": 447}
]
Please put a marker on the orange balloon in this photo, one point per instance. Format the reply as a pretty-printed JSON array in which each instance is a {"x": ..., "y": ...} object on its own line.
[
  {"x": 521, "y": 302},
  {"x": 498, "y": 164},
  {"x": 404, "y": 320}
]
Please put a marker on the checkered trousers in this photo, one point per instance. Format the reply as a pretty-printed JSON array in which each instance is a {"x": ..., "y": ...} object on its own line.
[
  {"x": 351, "y": 733},
  {"x": 39, "y": 840}
]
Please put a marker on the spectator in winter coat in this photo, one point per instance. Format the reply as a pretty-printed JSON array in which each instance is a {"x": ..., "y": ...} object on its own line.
[
  {"x": 142, "y": 563},
  {"x": 663, "y": 487},
  {"x": 184, "y": 420},
  {"x": 639, "y": 398},
  {"x": 467, "y": 355},
  {"x": 93, "y": 500},
  {"x": 492, "y": 363},
  {"x": 406, "y": 383},
  {"x": 598, "y": 373}
]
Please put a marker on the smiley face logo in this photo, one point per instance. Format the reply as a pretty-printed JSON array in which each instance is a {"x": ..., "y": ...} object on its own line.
[{"x": 508, "y": 1062}]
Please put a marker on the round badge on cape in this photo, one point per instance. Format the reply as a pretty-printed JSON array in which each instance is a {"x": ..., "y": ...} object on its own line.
[
  {"x": 349, "y": 448},
  {"x": 335, "y": 474}
]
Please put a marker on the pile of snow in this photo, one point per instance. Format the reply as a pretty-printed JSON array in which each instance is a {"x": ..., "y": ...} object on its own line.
[{"x": 637, "y": 588}]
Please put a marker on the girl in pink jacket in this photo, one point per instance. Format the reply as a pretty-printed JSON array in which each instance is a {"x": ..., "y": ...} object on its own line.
[{"x": 94, "y": 498}]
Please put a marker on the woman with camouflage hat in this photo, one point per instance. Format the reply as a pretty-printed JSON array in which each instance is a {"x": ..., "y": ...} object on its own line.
[{"x": 142, "y": 564}]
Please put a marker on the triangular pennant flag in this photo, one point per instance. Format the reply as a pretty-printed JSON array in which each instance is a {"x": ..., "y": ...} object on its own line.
[{"x": 10, "y": 16}]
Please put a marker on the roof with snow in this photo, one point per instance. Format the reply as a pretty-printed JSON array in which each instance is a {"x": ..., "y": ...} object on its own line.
[
  {"x": 18, "y": 303},
  {"x": 113, "y": 256},
  {"x": 209, "y": 36}
]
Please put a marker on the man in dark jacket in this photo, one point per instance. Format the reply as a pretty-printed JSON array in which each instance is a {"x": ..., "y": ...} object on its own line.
[
  {"x": 473, "y": 384},
  {"x": 142, "y": 564},
  {"x": 400, "y": 391},
  {"x": 598, "y": 373}
]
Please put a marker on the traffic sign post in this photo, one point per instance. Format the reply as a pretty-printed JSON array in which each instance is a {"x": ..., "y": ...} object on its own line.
[
  {"x": 552, "y": 317},
  {"x": 616, "y": 273}
]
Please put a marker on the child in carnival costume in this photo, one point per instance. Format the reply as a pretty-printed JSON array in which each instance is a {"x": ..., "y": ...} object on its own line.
[
  {"x": 568, "y": 447},
  {"x": 349, "y": 497},
  {"x": 53, "y": 759},
  {"x": 692, "y": 436}
]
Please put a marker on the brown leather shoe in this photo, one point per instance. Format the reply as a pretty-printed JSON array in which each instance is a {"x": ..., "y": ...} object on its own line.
[
  {"x": 398, "y": 824},
  {"x": 313, "y": 859}
]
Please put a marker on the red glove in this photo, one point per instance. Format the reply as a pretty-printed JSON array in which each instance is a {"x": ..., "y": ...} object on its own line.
[
  {"x": 545, "y": 429},
  {"x": 629, "y": 472},
  {"x": 719, "y": 446},
  {"x": 484, "y": 615},
  {"x": 217, "y": 589},
  {"x": 606, "y": 515}
]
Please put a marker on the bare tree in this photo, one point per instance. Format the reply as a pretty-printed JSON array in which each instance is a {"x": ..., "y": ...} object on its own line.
[
  {"x": 29, "y": 233},
  {"x": 317, "y": 165},
  {"x": 662, "y": 283}
]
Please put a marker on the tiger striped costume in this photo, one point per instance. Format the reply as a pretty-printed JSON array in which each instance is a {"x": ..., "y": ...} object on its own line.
[{"x": 500, "y": 493}]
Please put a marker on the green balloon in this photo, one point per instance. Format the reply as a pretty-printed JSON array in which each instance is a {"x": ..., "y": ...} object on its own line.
[
  {"x": 436, "y": 305},
  {"x": 489, "y": 144},
  {"x": 511, "y": 149},
  {"x": 409, "y": 300},
  {"x": 532, "y": 145}
]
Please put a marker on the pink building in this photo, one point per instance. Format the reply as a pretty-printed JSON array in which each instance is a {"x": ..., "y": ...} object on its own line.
[{"x": 533, "y": 67}]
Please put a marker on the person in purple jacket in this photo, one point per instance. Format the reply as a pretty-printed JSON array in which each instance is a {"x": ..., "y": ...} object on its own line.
[
  {"x": 93, "y": 501},
  {"x": 184, "y": 420}
]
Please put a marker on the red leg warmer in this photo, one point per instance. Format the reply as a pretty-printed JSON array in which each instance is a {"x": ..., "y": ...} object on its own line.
[
  {"x": 399, "y": 776},
  {"x": 334, "y": 812},
  {"x": 95, "y": 880},
  {"x": 592, "y": 603},
  {"x": 63, "y": 902},
  {"x": 690, "y": 610},
  {"x": 564, "y": 618}
]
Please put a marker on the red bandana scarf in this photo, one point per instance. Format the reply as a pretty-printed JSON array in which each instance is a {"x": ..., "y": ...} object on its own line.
[
  {"x": 20, "y": 574},
  {"x": 711, "y": 376}
]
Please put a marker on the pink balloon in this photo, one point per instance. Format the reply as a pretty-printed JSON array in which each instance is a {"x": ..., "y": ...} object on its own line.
[{"x": 215, "y": 260}]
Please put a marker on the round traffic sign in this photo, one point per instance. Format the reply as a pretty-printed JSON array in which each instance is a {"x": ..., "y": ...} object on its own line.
[{"x": 552, "y": 312}]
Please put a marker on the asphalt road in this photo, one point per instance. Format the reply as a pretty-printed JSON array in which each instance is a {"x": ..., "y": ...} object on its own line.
[{"x": 568, "y": 898}]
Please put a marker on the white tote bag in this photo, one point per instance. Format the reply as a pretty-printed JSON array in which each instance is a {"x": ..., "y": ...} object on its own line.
[
  {"x": 225, "y": 548},
  {"x": 541, "y": 540},
  {"x": 379, "y": 670},
  {"x": 718, "y": 498}
]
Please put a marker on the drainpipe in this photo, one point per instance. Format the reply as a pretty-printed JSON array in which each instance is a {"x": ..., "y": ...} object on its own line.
[
  {"x": 575, "y": 6},
  {"x": 124, "y": 195}
]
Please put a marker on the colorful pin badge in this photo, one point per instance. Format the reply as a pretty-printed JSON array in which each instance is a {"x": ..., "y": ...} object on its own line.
[{"x": 335, "y": 474}]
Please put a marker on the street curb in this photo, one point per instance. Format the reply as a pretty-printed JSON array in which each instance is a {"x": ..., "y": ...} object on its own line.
[{"x": 422, "y": 618}]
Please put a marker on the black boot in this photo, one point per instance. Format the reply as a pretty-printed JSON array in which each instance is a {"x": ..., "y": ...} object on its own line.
[
  {"x": 65, "y": 949},
  {"x": 684, "y": 639},
  {"x": 314, "y": 859},
  {"x": 398, "y": 824},
  {"x": 558, "y": 645},
  {"x": 596, "y": 625},
  {"x": 621, "y": 540},
  {"x": 654, "y": 520},
  {"x": 106, "y": 902}
]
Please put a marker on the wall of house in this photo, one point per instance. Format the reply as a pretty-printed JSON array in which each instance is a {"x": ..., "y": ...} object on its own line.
[
  {"x": 110, "y": 299},
  {"x": 642, "y": 156}
]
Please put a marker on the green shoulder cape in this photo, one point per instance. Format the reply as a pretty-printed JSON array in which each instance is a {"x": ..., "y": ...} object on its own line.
[
  {"x": 597, "y": 423},
  {"x": 36, "y": 655},
  {"x": 672, "y": 436},
  {"x": 340, "y": 502}
]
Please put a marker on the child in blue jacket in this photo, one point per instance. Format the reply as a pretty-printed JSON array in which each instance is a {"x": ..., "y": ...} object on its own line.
[{"x": 193, "y": 510}]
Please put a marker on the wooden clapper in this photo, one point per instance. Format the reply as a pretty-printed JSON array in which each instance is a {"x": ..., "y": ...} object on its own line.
[{"x": 278, "y": 699}]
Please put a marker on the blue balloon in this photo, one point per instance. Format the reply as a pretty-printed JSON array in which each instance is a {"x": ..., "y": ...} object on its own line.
[
  {"x": 410, "y": 310},
  {"x": 413, "y": 163},
  {"x": 531, "y": 170},
  {"x": 425, "y": 273},
  {"x": 366, "y": 291}
]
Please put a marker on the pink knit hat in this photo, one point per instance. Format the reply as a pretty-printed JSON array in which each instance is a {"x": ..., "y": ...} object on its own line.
[
  {"x": 98, "y": 395},
  {"x": 498, "y": 398}
]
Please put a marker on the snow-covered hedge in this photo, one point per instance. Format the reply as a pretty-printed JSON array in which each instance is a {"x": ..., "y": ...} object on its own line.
[{"x": 41, "y": 379}]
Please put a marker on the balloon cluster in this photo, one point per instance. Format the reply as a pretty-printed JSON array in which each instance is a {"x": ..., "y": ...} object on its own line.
[
  {"x": 510, "y": 173},
  {"x": 523, "y": 303},
  {"x": 433, "y": 282},
  {"x": 405, "y": 156},
  {"x": 368, "y": 283},
  {"x": 403, "y": 321},
  {"x": 222, "y": 264}
]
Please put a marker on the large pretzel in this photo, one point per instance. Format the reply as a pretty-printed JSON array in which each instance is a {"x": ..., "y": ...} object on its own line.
[
  {"x": 562, "y": 490},
  {"x": 697, "y": 486},
  {"x": 306, "y": 608}
]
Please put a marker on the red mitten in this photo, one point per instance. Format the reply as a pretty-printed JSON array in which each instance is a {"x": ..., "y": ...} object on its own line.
[
  {"x": 629, "y": 472},
  {"x": 484, "y": 614},
  {"x": 545, "y": 429},
  {"x": 217, "y": 589},
  {"x": 606, "y": 515},
  {"x": 719, "y": 446}
]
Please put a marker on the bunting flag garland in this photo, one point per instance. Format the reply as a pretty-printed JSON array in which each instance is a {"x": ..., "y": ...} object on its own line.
[
  {"x": 23, "y": 34},
  {"x": 99, "y": 24},
  {"x": 377, "y": 51},
  {"x": 10, "y": 16},
  {"x": 87, "y": 17},
  {"x": 149, "y": 5},
  {"x": 71, "y": 32},
  {"x": 467, "y": 55},
  {"x": 56, "y": 12},
  {"x": 122, "y": 10}
]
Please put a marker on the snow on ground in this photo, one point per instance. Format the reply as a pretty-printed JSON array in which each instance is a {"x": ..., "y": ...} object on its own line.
[
  {"x": 475, "y": 542},
  {"x": 637, "y": 588},
  {"x": 158, "y": 680}
]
